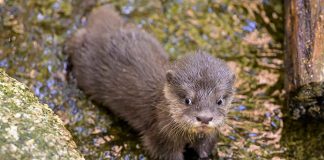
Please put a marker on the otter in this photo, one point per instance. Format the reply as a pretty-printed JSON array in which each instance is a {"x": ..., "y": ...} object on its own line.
[{"x": 171, "y": 105}]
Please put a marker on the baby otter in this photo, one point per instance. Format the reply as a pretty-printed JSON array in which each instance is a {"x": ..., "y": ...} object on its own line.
[{"x": 170, "y": 105}]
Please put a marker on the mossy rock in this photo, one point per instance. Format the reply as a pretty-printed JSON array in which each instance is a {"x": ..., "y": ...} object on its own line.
[{"x": 29, "y": 129}]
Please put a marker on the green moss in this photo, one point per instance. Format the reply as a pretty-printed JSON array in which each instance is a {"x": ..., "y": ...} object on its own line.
[
  {"x": 303, "y": 140},
  {"x": 29, "y": 129}
]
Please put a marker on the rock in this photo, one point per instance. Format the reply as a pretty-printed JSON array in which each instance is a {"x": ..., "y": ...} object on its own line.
[{"x": 29, "y": 129}]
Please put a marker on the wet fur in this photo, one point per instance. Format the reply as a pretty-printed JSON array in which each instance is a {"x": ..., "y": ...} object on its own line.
[{"x": 128, "y": 71}]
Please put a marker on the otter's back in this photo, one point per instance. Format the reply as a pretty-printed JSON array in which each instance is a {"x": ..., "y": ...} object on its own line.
[{"x": 122, "y": 68}]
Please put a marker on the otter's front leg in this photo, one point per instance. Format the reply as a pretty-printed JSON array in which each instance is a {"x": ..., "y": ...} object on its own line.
[
  {"x": 160, "y": 149},
  {"x": 204, "y": 146}
]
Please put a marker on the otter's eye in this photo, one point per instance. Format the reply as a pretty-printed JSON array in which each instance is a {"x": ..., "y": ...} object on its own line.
[
  {"x": 188, "y": 101},
  {"x": 220, "y": 101}
]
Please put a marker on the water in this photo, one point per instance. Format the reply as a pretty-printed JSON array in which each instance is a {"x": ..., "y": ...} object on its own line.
[{"x": 249, "y": 36}]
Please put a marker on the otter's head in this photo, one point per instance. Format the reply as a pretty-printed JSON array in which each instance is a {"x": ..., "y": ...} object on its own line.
[{"x": 199, "y": 90}]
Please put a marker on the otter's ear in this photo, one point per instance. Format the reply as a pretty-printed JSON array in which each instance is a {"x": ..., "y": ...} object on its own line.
[
  {"x": 233, "y": 77},
  {"x": 170, "y": 76}
]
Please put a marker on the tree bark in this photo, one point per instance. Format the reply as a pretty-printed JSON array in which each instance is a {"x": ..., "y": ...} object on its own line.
[{"x": 304, "y": 57}]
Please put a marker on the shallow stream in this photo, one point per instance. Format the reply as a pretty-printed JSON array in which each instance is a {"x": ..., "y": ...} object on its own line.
[{"x": 247, "y": 34}]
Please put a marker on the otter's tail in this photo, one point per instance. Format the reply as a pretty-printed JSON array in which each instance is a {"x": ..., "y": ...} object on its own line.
[{"x": 102, "y": 20}]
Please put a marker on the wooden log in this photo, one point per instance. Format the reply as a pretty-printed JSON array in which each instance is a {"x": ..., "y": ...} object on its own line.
[{"x": 304, "y": 57}]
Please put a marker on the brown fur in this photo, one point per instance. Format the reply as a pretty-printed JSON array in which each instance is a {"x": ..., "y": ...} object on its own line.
[{"x": 127, "y": 70}]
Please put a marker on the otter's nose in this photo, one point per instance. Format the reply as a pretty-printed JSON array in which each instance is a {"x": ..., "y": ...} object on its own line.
[{"x": 204, "y": 120}]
